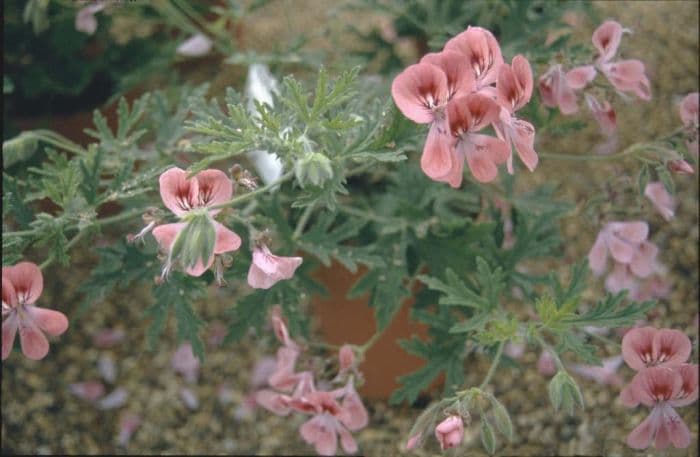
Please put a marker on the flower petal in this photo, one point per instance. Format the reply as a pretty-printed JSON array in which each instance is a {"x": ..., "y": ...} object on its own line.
[
  {"x": 9, "y": 330},
  {"x": 676, "y": 430},
  {"x": 321, "y": 432},
  {"x": 606, "y": 38},
  {"x": 273, "y": 401},
  {"x": 347, "y": 441},
  {"x": 415, "y": 88},
  {"x": 621, "y": 278},
  {"x": 226, "y": 240},
  {"x": 165, "y": 234},
  {"x": 638, "y": 346},
  {"x": 195, "y": 46},
  {"x": 50, "y": 321},
  {"x": 214, "y": 188},
  {"x": 579, "y": 77},
  {"x": 641, "y": 436},
  {"x": 460, "y": 78},
  {"x": 524, "y": 139},
  {"x": 471, "y": 113},
  {"x": 634, "y": 232},
  {"x": 27, "y": 280},
  {"x": 480, "y": 163},
  {"x": 483, "y": 54},
  {"x": 436, "y": 160},
  {"x": 354, "y": 414},
  {"x": 689, "y": 387},
  {"x": 644, "y": 259},
  {"x": 598, "y": 255},
  {"x": 664, "y": 202},
  {"x": 671, "y": 347},
  {"x": 9, "y": 295},
  {"x": 34, "y": 344},
  {"x": 179, "y": 194}
]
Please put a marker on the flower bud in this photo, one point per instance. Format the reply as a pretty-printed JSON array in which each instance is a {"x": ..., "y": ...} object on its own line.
[
  {"x": 195, "y": 242},
  {"x": 450, "y": 432},
  {"x": 346, "y": 357},
  {"x": 564, "y": 392},
  {"x": 680, "y": 167},
  {"x": 314, "y": 168},
  {"x": 18, "y": 149}
]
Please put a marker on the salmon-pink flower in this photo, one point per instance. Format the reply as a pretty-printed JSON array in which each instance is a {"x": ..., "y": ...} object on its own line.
[
  {"x": 481, "y": 52},
  {"x": 421, "y": 92},
  {"x": 546, "y": 365},
  {"x": 331, "y": 419},
  {"x": 646, "y": 347},
  {"x": 22, "y": 285},
  {"x": 621, "y": 278},
  {"x": 267, "y": 269},
  {"x": 557, "y": 87},
  {"x": 184, "y": 362},
  {"x": 128, "y": 424},
  {"x": 662, "y": 389},
  {"x": 88, "y": 390},
  {"x": 603, "y": 113},
  {"x": 187, "y": 197},
  {"x": 460, "y": 78},
  {"x": 606, "y": 374},
  {"x": 466, "y": 116},
  {"x": 450, "y": 432},
  {"x": 623, "y": 240},
  {"x": 664, "y": 202},
  {"x": 514, "y": 91},
  {"x": 625, "y": 75}
]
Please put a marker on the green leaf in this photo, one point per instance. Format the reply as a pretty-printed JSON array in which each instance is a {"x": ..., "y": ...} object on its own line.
[
  {"x": 610, "y": 311},
  {"x": 501, "y": 418},
  {"x": 643, "y": 179},
  {"x": 488, "y": 438}
]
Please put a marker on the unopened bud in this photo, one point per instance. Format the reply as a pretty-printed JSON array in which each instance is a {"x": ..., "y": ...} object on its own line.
[
  {"x": 314, "y": 168},
  {"x": 680, "y": 167}
]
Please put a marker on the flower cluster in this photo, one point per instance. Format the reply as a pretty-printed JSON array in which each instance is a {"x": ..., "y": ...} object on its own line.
[
  {"x": 633, "y": 256},
  {"x": 663, "y": 381},
  {"x": 460, "y": 91},
  {"x": 689, "y": 116},
  {"x": 558, "y": 87},
  {"x": 197, "y": 239},
  {"x": 334, "y": 412},
  {"x": 22, "y": 285}
]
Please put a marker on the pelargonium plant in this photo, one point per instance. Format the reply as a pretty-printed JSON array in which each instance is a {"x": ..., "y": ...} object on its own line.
[{"x": 409, "y": 181}]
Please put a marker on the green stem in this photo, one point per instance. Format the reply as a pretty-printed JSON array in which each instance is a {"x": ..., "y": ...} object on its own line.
[
  {"x": 371, "y": 216},
  {"x": 547, "y": 347},
  {"x": 302, "y": 221},
  {"x": 249, "y": 195},
  {"x": 70, "y": 244},
  {"x": 494, "y": 365},
  {"x": 59, "y": 142}
]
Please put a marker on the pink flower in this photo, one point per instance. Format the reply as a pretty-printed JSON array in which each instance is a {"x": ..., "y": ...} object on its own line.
[
  {"x": 195, "y": 46},
  {"x": 514, "y": 91},
  {"x": 460, "y": 78},
  {"x": 607, "y": 374},
  {"x": 85, "y": 20},
  {"x": 88, "y": 390},
  {"x": 22, "y": 285},
  {"x": 267, "y": 269},
  {"x": 413, "y": 442},
  {"x": 662, "y": 389},
  {"x": 603, "y": 113},
  {"x": 346, "y": 357},
  {"x": 626, "y": 243},
  {"x": 450, "y": 432},
  {"x": 664, "y": 202},
  {"x": 557, "y": 88},
  {"x": 184, "y": 362},
  {"x": 190, "y": 196},
  {"x": 653, "y": 288},
  {"x": 482, "y": 53},
  {"x": 331, "y": 418},
  {"x": 624, "y": 75},
  {"x": 128, "y": 424},
  {"x": 108, "y": 337},
  {"x": 647, "y": 347},
  {"x": 621, "y": 278},
  {"x": 546, "y": 365},
  {"x": 465, "y": 117}
]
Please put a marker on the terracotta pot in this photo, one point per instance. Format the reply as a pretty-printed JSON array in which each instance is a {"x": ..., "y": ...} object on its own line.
[{"x": 352, "y": 321}]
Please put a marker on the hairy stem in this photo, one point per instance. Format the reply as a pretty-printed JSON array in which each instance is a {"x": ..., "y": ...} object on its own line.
[
  {"x": 245, "y": 197},
  {"x": 494, "y": 365}
]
